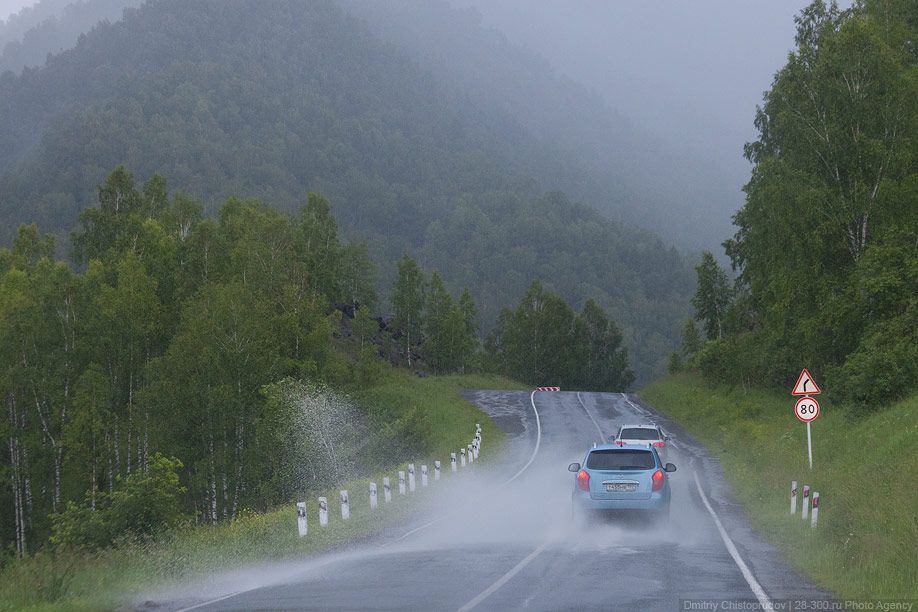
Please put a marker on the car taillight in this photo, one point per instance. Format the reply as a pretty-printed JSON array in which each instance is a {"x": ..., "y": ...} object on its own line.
[
  {"x": 657, "y": 480},
  {"x": 619, "y": 441},
  {"x": 583, "y": 480},
  {"x": 658, "y": 444}
]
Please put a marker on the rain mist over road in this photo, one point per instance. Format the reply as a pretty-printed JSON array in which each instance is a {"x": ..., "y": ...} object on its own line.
[{"x": 502, "y": 538}]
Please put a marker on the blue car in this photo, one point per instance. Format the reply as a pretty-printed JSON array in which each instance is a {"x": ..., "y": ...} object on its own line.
[{"x": 621, "y": 477}]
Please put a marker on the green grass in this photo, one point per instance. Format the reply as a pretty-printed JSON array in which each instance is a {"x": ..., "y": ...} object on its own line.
[
  {"x": 108, "y": 580},
  {"x": 865, "y": 470}
]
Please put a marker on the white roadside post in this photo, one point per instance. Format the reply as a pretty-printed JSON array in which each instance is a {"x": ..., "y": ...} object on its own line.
[
  {"x": 401, "y": 483},
  {"x": 373, "y": 502},
  {"x": 475, "y": 449},
  {"x": 411, "y": 477},
  {"x": 436, "y": 470},
  {"x": 462, "y": 454},
  {"x": 301, "y": 518},
  {"x": 323, "y": 511},
  {"x": 806, "y": 502},
  {"x": 345, "y": 506},
  {"x": 471, "y": 453},
  {"x": 452, "y": 460},
  {"x": 387, "y": 489},
  {"x": 423, "y": 475},
  {"x": 793, "y": 497},
  {"x": 815, "y": 510},
  {"x": 478, "y": 428}
]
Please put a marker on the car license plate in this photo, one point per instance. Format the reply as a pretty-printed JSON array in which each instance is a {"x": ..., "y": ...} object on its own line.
[{"x": 621, "y": 487}]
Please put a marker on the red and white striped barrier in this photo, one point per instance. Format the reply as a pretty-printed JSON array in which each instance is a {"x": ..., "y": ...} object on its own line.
[{"x": 548, "y": 388}]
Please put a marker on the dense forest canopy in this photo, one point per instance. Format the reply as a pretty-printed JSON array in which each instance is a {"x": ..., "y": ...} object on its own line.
[
  {"x": 827, "y": 243},
  {"x": 276, "y": 99},
  {"x": 201, "y": 366}
]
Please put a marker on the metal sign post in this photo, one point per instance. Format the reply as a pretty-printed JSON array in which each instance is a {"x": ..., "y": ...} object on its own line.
[
  {"x": 807, "y": 408},
  {"x": 809, "y": 443}
]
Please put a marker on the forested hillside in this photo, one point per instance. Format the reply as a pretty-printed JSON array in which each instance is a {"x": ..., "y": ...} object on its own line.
[
  {"x": 199, "y": 367},
  {"x": 275, "y": 99},
  {"x": 827, "y": 243},
  {"x": 620, "y": 168}
]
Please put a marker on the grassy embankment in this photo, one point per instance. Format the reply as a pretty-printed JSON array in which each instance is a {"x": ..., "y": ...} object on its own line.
[
  {"x": 864, "y": 468},
  {"x": 110, "y": 579}
]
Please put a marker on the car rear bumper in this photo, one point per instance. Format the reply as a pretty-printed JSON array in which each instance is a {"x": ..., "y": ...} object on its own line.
[{"x": 658, "y": 500}]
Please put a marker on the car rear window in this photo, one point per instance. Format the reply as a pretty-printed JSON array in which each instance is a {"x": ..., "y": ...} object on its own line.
[
  {"x": 639, "y": 433},
  {"x": 614, "y": 459}
]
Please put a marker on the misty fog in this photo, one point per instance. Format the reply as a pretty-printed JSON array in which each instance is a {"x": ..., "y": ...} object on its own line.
[{"x": 690, "y": 73}]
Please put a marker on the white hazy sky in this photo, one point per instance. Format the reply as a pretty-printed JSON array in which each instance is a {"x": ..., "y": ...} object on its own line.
[
  {"x": 693, "y": 72},
  {"x": 10, "y": 7}
]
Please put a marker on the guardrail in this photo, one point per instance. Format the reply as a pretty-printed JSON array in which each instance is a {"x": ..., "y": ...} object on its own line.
[{"x": 470, "y": 452}]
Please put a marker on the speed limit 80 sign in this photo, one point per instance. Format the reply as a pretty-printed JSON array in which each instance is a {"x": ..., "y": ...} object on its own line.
[{"x": 807, "y": 409}]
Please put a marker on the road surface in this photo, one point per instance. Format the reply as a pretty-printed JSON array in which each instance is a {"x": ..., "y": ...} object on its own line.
[{"x": 502, "y": 538}]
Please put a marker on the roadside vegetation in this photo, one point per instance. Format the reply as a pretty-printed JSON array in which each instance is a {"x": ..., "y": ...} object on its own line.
[
  {"x": 826, "y": 263},
  {"x": 73, "y": 578},
  {"x": 864, "y": 467}
]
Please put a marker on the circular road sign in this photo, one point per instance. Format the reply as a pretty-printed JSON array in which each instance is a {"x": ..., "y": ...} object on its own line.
[{"x": 807, "y": 409}]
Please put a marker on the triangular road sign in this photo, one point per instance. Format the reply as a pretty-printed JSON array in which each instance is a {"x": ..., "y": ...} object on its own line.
[{"x": 805, "y": 385}]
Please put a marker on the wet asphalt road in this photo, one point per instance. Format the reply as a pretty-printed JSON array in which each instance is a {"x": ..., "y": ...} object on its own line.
[{"x": 502, "y": 538}]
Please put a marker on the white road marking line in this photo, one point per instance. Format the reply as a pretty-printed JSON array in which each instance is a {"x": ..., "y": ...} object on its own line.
[
  {"x": 207, "y": 603},
  {"x": 602, "y": 437},
  {"x": 519, "y": 566},
  {"x": 731, "y": 548},
  {"x": 531, "y": 459},
  {"x": 538, "y": 439},
  {"x": 503, "y": 579},
  {"x": 415, "y": 530}
]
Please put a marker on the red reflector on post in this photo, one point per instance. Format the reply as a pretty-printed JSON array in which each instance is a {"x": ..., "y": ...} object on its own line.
[
  {"x": 657, "y": 480},
  {"x": 658, "y": 443},
  {"x": 583, "y": 480}
]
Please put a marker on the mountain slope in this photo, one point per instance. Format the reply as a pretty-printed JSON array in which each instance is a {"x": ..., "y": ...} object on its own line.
[
  {"x": 623, "y": 170},
  {"x": 274, "y": 99}
]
